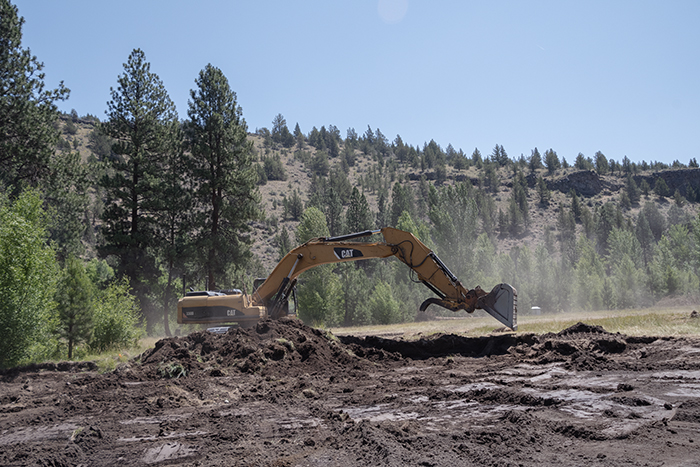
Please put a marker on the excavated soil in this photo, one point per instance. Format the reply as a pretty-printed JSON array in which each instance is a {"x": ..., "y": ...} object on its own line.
[{"x": 284, "y": 394}]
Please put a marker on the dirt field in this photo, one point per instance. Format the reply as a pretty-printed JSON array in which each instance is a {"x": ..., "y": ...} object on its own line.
[{"x": 284, "y": 394}]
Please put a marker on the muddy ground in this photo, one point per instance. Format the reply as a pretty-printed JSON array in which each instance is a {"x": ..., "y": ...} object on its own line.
[{"x": 284, "y": 394}]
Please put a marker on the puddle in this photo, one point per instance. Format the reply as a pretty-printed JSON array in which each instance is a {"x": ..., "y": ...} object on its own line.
[{"x": 166, "y": 452}]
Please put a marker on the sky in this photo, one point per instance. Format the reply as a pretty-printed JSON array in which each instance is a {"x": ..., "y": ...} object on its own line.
[{"x": 620, "y": 77}]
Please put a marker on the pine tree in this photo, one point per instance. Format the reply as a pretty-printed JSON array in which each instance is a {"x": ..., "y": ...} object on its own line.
[
  {"x": 27, "y": 110},
  {"x": 535, "y": 161},
  {"x": 551, "y": 161},
  {"x": 174, "y": 225},
  {"x": 358, "y": 216},
  {"x": 633, "y": 192},
  {"x": 74, "y": 304},
  {"x": 139, "y": 115},
  {"x": 661, "y": 188},
  {"x": 601, "y": 163},
  {"x": 224, "y": 172}
]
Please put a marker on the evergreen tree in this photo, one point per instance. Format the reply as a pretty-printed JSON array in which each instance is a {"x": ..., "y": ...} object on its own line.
[
  {"x": 645, "y": 237},
  {"x": 284, "y": 243},
  {"x": 543, "y": 192},
  {"x": 334, "y": 212},
  {"x": 299, "y": 137},
  {"x": 477, "y": 160},
  {"x": 139, "y": 115},
  {"x": 633, "y": 192},
  {"x": 280, "y": 133},
  {"x": 224, "y": 173},
  {"x": 551, "y": 161},
  {"x": 27, "y": 110},
  {"x": 500, "y": 156},
  {"x": 656, "y": 220},
  {"x": 383, "y": 217},
  {"x": 174, "y": 220},
  {"x": 359, "y": 216},
  {"x": 74, "y": 304},
  {"x": 661, "y": 188},
  {"x": 67, "y": 200},
  {"x": 401, "y": 200},
  {"x": 294, "y": 206},
  {"x": 607, "y": 220},
  {"x": 601, "y": 163},
  {"x": 535, "y": 161}
]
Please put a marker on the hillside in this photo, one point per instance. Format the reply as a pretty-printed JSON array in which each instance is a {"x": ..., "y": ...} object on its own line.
[{"x": 594, "y": 189}]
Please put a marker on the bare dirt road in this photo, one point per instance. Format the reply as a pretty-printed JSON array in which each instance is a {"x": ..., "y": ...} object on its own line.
[{"x": 284, "y": 394}]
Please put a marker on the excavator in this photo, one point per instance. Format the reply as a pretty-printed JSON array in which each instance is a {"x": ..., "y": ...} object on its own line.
[{"x": 270, "y": 298}]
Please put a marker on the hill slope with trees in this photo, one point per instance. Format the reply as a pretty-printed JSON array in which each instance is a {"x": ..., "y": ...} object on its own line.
[{"x": 144, "y": 205}]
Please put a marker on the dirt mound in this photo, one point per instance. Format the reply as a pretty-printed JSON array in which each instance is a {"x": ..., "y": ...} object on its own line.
[
  {"x": 284, "y": 394},
  {"x": 580, "y": 328},
  {"x": 270, "y": 348}
]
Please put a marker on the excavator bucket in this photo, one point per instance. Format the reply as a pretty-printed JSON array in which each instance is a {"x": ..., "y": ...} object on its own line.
[{"x": 502, "y": 304}]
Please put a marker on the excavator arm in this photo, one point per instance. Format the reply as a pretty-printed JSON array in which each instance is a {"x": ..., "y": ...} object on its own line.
[{"x": 501, "y": 302}]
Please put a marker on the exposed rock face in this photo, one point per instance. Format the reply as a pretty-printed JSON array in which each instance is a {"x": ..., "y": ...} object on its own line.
[
  {"x": 586, "y": 183},
  {"x": 675, "y": 179}
]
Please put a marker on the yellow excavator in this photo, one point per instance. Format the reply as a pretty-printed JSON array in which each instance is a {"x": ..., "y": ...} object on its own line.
[{"x": 271, "y": 296}]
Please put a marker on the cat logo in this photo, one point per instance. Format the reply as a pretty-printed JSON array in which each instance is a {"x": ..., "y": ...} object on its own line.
[
  {"x": 345, "y": 253},
  {"x": 231, "y": 312}
]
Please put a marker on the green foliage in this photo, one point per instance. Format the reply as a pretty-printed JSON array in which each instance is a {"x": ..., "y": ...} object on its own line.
[
  {"x": 274, "y": 170},
  {"x": 172, "y": 370},
  {"x": 661, "y": 188},
  {"x": 319, "y": 164},
  {"x": 535, "y": 161},
  {"x": 27, "y": 275},
  {"x": 294, "y": 206},
  {"x": 67, "y": 200},
  {"x": 74, "y": 304},
  {"x": 312, "y": 225},
  {"x": 401, "y": 200},
  {"x": 283, "y": 242},
  {"x": 140, "y": 115},
  {"x": 355, "y": 284},
  {"x": 116, "y": 319},
  {"x": 358, "y": 217},
  {"x": 384, "y": 308},
  {"x": 551, "y": 161},
  {"x": 321, "y": 297},
  {"x": 280, "y": 133},
  {"x": 601, "y": 163},
  {"x": 227, "y": 198},
  {"x": 27, "y": 110}
]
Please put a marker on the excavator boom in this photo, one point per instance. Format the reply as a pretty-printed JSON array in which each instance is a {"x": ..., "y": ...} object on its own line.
[{"x": 272, "y": 296}]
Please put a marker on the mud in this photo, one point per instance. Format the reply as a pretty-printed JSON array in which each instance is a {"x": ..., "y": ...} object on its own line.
[{"x": 283, "y": 394}]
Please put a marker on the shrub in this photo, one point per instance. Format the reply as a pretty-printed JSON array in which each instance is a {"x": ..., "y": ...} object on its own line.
[{"x": 116, "y": 319}]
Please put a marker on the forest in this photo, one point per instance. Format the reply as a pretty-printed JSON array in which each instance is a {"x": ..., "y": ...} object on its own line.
[{"x": 104, "y": 223}]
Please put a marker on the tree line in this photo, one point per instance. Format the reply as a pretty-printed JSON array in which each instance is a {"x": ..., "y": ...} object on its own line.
[
  {"x": 171, "y": 197},
  {"x": 174, "y": 201}
]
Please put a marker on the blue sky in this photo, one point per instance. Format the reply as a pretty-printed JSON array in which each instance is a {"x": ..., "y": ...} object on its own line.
[{"x": 621, "y": 77}]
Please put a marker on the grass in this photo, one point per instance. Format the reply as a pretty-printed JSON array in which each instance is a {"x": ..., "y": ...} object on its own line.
[
  {"x": 108, "y": 361},
  {"x": 657, "y": 321}
]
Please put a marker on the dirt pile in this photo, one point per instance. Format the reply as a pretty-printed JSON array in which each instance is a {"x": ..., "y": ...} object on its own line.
[
  {"x": 284, "y": 394},
  {"x": 285, "y": 347}
]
